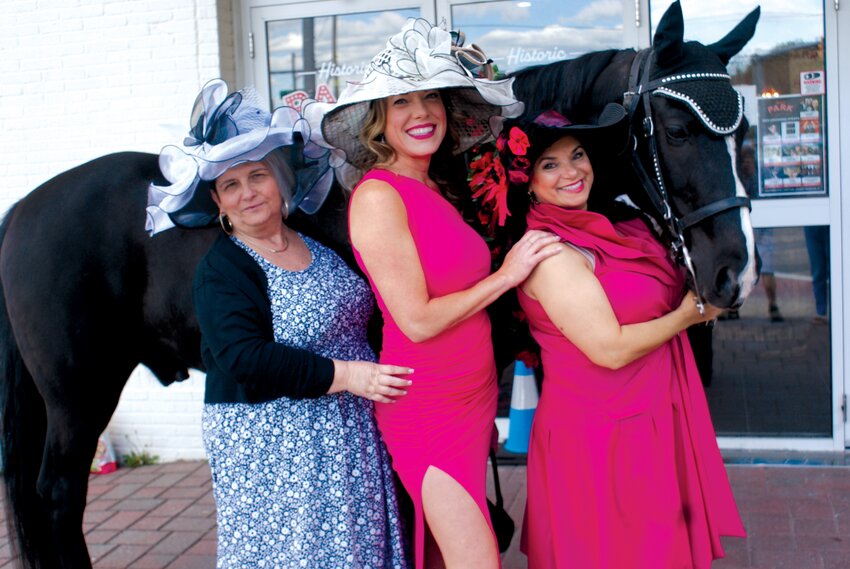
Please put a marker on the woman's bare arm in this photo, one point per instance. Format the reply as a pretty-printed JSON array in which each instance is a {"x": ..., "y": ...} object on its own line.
[
  {"x": 380, "y": 233},
  {"x": 575, "y": 301}
]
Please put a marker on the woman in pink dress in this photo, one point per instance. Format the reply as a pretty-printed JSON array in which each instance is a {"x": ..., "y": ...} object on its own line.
[
  {"x": 623, "y": 466},
  {"x": 431, "y": 275}
]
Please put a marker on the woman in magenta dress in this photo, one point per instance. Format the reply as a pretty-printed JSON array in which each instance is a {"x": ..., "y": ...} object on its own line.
[
  {"x": 623, "y": 466},
  {"x": 431, "y": 276}
]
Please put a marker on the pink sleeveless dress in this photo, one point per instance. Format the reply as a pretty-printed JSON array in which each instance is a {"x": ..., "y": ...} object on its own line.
[
  {"x": 446, "y": 419},
  {"x": 623, "y": 466}
]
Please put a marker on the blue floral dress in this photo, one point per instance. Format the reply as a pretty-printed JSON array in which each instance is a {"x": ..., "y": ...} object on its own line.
[{"x": 306, "y": 483}]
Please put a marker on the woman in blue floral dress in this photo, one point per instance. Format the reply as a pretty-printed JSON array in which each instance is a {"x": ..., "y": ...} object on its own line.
[{"x": 301, "y": 477}]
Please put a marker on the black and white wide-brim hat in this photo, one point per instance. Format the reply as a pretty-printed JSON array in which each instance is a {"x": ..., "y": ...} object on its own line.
[
  {"x": 419, "y": 58},
  {"x": 225, "y": 131}
]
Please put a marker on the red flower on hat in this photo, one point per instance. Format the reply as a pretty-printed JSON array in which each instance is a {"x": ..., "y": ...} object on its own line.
[
  {"x": 518, "y": 173},
  {"x": 481, "y": 167},
  {"x": 518, "y": 142},
  {"x": 518, "y": 177}
]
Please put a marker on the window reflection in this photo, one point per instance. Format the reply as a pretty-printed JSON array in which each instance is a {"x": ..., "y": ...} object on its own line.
[
  {"x": 520, "y": 34},
  {"x": 771, "y": 359},
  {"x": 314, "y": 57},
  {"x": 780, "y": 72}
]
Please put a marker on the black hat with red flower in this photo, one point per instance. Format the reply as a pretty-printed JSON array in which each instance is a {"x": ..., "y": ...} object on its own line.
[{"x": 522, "y": 141}]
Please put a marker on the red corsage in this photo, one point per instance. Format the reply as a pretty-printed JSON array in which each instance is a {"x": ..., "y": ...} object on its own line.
[
  {"x": 489, "y": 180},
  {"x": 489, "y": 183},
  {"x": 518, "y": 142}
]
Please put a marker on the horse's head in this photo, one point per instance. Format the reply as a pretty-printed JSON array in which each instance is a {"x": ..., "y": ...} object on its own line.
[{"x": 689, "y": 153}]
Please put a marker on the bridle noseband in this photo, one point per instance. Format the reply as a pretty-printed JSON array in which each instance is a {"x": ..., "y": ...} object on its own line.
[{"x": 639, "y": 91}]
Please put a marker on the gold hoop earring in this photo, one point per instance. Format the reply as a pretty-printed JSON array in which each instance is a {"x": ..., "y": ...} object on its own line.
[{"x": 226, "y": 224}]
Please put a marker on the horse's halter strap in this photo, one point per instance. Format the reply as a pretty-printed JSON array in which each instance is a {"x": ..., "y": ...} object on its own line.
[{"x": 640, "y": 90}]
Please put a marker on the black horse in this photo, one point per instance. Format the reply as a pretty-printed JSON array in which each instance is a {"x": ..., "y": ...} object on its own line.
[
  {"x": 88, "y": 295},
  {"x": 678, "y": 145}
]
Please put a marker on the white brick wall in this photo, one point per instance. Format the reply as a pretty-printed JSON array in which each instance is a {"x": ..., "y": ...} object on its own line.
[
  {"x": 165, "y": 421},
  {"x": 83, "y": 78}
]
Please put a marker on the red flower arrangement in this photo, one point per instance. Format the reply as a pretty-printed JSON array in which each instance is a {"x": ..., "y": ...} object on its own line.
[
  {"x": 488, "y": 178},
  {"x": 493, "y": 171}
]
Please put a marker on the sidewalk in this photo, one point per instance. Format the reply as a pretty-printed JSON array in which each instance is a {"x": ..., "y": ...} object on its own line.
[{"x": 163, "y": 516}]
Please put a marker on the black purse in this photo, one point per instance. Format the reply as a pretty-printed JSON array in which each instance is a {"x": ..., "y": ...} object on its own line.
[{"x": 503, "y": 524}]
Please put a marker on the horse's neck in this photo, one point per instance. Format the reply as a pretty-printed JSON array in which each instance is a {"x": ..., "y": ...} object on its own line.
[
  {"x": 609, "y": 86},
  {"x": 578, "y": 88},
  {"x": 613, "y": 80}
]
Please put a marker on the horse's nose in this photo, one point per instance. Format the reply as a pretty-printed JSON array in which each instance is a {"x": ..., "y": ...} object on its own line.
[{"x": 726, "y": 288}]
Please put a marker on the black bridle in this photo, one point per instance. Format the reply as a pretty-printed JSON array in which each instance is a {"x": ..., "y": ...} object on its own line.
[{"x": 639, "y": 91}]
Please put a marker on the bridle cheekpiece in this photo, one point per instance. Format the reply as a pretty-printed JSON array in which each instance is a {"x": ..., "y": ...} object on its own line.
[{"x": 639, "y": 91}]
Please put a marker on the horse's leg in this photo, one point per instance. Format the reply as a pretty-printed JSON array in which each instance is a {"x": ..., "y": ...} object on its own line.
[
  {"x": 23, "y": 443},
  {"x": 79, "y": 376},
  {"x": 75, "y": 420}
]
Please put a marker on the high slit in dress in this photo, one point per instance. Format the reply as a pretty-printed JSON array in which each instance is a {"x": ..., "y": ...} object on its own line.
[{"x": 446, "y": 419}]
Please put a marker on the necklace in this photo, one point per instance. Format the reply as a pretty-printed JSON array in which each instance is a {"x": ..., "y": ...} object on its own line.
[{"x": 263, "y": 247}]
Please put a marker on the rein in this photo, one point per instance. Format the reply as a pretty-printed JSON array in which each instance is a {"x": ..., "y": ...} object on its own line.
[{"x": 639, "y": 91}]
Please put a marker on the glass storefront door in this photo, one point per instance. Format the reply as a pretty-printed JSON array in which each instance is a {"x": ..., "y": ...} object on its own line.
[
  {"x": 772, "y": 359},
  {"x": 309, "y": 49},
  {"x": 305, "y": 48},
  {"x": 521, "y": 34},
  {"x": 778, "y": 363}
]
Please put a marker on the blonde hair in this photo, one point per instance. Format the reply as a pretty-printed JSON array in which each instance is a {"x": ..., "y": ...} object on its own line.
[{"x": 372, "y": 135}]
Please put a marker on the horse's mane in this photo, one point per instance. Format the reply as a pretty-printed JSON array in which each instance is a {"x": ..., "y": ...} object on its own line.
[{"x": 566, "y": 86}]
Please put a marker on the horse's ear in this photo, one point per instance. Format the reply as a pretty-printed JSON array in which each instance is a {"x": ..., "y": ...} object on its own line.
[
  {"x": 667, "y": 42},
  {"x": 726, "y": 48}
]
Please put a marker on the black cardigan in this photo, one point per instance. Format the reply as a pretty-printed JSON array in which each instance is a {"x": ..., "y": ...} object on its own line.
[{"x": 244, "y": 363}]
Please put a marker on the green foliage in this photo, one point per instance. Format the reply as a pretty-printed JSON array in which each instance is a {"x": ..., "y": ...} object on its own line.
[{"x": 139, "y": 458}]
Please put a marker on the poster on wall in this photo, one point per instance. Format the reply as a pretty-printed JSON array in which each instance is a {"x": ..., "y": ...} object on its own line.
[{"x": 791, "y": 145}]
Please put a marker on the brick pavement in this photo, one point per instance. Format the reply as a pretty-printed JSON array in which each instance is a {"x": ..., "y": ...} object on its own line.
[
  {"x": 163, "y": 517},
  {"x": 151, "y": 517}
]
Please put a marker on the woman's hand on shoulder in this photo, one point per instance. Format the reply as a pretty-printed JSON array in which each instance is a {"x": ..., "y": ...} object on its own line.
[
  {"x": 523, "y": 257},
  {"x": 377, "y": 382}
]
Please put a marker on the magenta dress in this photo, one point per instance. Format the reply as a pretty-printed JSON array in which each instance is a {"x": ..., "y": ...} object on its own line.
[
  {"x": 623, "y": 466},
  {"x": 446, "y": 419}
]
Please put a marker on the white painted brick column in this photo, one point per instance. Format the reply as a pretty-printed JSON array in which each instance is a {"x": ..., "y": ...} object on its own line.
[{"x": 80, "y": 79}]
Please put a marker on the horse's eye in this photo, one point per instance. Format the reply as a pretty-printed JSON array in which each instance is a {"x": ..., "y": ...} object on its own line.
[{"x": 676, "y": 133}]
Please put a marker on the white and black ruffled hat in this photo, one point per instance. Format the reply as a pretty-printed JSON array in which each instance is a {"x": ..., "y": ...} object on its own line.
[
  {"x": 227, "y": 130},
  {"x": 419, "y": 58}
]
